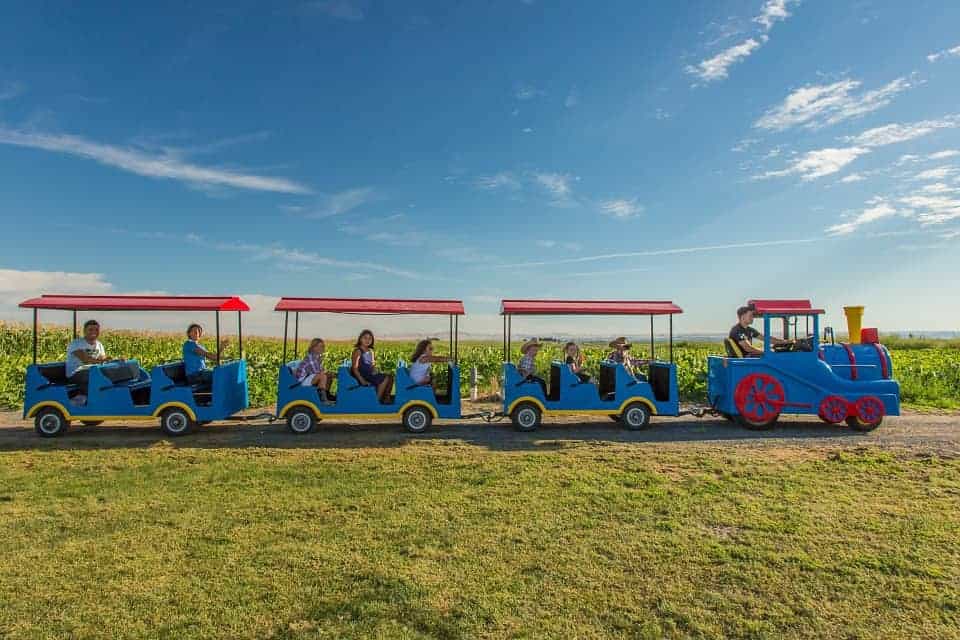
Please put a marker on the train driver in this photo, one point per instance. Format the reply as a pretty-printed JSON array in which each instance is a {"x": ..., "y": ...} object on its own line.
[{"x": 743, "y": 334}]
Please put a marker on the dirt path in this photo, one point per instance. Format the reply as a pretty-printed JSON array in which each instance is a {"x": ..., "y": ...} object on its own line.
[{"x": 937, "y": 434}]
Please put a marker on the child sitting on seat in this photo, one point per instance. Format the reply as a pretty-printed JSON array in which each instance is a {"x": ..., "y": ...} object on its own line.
[
  {"x": 422, "y": 359},
  {"x": 528, "y": 365},
  {"x": 310, "y": 372},
  {"x": 620, "y": 355},
  {"x": 363, "y": 365},
  {"x": 575, "y": 361},
  {"x": 195, "y": 358}
]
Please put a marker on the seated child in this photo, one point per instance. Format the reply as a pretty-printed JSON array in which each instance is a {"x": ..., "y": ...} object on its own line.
[
  {"x": 363, "y": 365},
  {"x": 422, "y": 359},
  {"x": 620, "y": 355},
  {"x": 310, "y": 372},
  {"x": 195, "y": 358},
  {"x": 575, "y": 361},
  {"x": 528, "y": 366}
]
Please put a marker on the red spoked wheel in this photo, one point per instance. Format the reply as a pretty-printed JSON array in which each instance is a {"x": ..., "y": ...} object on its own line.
[
  {"x": 869, "y": 412},
  {"x": 759, "y": 398},
  {"x": 834, "y": 409}
]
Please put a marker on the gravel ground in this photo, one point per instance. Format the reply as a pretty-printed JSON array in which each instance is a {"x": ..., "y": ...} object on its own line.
[{"x": 934, "y": 434}]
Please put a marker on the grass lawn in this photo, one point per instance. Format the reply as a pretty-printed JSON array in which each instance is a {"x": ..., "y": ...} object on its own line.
[{"x": 432, "y": 540}]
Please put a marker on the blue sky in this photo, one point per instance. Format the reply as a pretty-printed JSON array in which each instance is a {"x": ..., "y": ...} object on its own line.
[{"x": 704, "y": 152}]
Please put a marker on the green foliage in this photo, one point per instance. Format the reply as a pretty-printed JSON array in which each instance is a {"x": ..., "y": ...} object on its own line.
[{"x": 928, "y": 371}]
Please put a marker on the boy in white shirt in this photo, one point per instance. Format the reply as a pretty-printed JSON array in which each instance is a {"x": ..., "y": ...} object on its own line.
[{"x": 83, "y": 353}]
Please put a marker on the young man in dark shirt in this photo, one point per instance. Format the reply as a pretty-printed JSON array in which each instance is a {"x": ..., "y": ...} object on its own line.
[{"x": 743, "y": 334}]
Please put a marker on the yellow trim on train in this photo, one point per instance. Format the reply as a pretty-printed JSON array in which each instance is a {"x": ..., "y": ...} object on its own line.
[
  {"x": 69, "y": 416},
  {"x": 362, "y": 416},
  {"x": 605, "y": 412}
]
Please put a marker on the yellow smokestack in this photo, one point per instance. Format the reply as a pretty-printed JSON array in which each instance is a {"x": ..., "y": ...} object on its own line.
[{"x": 854, "y": 322}]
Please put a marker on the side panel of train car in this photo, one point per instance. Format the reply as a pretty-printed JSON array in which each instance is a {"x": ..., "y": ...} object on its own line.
[
  {"x": 618, "y": 394},
  {"x": 127, "y": 392},
  {"x": 416, "y": 405}
]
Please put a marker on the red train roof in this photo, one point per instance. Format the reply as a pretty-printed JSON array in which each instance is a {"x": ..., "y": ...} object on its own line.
[
  {"x": 588, "y": 307},
  {"x": 372, "y": 306},
  {"x": 783, "y": 307},
  {"x": 136, "y": 303}
]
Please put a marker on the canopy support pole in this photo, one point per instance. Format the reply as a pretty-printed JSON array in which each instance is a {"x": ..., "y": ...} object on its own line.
[
  {"x": 286, "y": 324},
  {"x": 35, "y": 330},
  {"x": 504, "y": 338},
  {"x": 74, "y": 324},
  {"x": 456, "y": 339},
  {"x": 671, "y": 338},
  {"x": 217, "y": 314},
  {"x": 653, "y": 355},
  {"x": 509, "y": 335},
  {"x": 451, "y": 335},
  {"x": 296, "y": 334},
  {"x": 240, "y": 333}
]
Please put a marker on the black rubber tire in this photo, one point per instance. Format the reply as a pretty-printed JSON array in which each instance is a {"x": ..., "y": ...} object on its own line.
[
  {"x": 176, "y": 422},
  {"x": 417, "y": 419},
  {"x": 858, "y": 425},
  {"x": 526, "y": 416},
  {"x": 635, "y": 416},
  {"x": 50, "y": 422},
  {"x": 91, "y": 423},
  {"x": 301, "y": 420},
  {"x": 757, "y": 426}
]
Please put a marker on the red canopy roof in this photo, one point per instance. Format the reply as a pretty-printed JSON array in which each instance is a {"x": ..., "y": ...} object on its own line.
[
  {"x": 372, "y": 306},
  {"x": 137, "y": 303},
  {"x": 784, "y": 307},
  {"x": 588, "y": 307}
]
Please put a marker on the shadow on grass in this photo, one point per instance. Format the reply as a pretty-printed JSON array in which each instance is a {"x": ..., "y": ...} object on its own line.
[{"x": 497, "y": 436}]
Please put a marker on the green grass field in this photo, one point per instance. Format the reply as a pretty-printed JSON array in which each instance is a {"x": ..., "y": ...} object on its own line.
[
  {"x": 928, "y": 370},
  {"x": 447, "y": 540}
]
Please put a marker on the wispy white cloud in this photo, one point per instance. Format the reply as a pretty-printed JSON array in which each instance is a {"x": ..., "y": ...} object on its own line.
[
  {"x": 660, "y": 252},
  {"x": 853, "y": 177},
  {"x": 299, "y": 258},
  {"x": 349, "y": 10},
  {"x": 145, "y": 164},
  {"x": 897, "y": 132},
  {"x": 822, "y": 162},
  {"x": 878, "y": 210},
  {"x": 558, "y": 185},
  {"x": 717, "y": 67},
  {"x": 335, "y": 204},
  {"x": 773, "y": 11},
  {"x": 818, "y": 163},
  {"x": 942, "y": 155},
  {"x": 572, "y": 99},
  {"x": 14, "y": 283},
  {"x": 937, "y": 173},
  {"x": 817, "y": 106},
  {"x": 933, "y": 209},
  {"x": 953, "y": 52},
  {"x": 622, "y": 208},
  {"x": 524, "y": 91},
  {"x": 558, "y": 244},
  {"x": 502, "y": 180}
]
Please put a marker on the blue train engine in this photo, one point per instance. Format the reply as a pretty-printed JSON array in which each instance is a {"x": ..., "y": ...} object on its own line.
[
  {"x": 800, "y": 374},
  {"x": 417, "y": 405},
  {"x": 629, "y": 392},
  {"x": 122, "y": 389}
]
